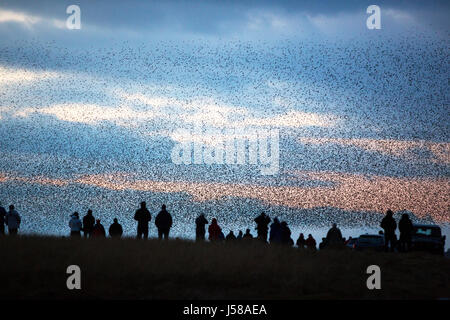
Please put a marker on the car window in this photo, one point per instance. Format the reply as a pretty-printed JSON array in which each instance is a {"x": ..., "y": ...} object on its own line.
[{"x": 424, "y": 231}]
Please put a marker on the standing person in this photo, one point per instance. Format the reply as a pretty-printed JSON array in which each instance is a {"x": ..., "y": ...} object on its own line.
[
  {"x": 2, "y": 220},
  {"x": 200, "y": 230},
  {"x": 98, "y": 231},
  {"x": 275, "y": 231},
  {"x": 214, "y": 231},
  {"x": 143, "y": 217},
  {"x": 115, "y": 230},
  {"x": 406, "y": 229},
  {"x": 247, "y": 235},
  {"x": 311, "y": 243},
  {"x": 286, "y": 234},
  {"x": 13, "y": 220},
  {"x": 301, "y": 241},
  {"x": 88, "y": 223},
  {"x": 334, "y": 237},
  {"x": 262, "y": 226},
  {"x": 389, "y": 225},
  {"x": 163, "y": 222},
  {"x": 75, "y": 225},
  {"x": 230, "y": 237},
  {"x": 240, "y": 235}
]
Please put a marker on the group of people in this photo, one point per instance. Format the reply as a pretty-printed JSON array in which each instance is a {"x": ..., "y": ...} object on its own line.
[
  {"x": 9, "y": 218},
  {"x": 279, "y": 232}
]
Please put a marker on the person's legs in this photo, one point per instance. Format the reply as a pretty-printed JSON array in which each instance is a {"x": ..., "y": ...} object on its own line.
[
  {"x": 166, "y": 234},
  {"x": 2, "y": 230},
  {"x": 12, "y": 232},
  {"x": 139, "y": 232},
  {"x": 160, "y": 234},
  {"x": 386, "y": 242},
  {"x": 145, "y": 231}
]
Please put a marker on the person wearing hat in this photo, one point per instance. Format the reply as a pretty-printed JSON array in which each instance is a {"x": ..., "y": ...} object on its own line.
[{"x": 75, "y": 225}]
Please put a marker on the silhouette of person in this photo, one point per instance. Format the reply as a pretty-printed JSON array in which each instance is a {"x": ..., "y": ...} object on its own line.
[
  {"x": 389, "y": 225},
  {"x": 310, "y": 243},
  {"x": 214, "y": 231},
  {"x": 286, "y": 234},
  {"x": 98, "y": 231},
  {"x": 348, "y": 240},
  {"x": 115, "y": 229},
  {"x": 200, "y": 224},
  {"x": 143, "y": 217},
  {"x": 240, "y": 235},
  {"x": 230, "y": 237},
  {"x": 75, "y": 225},
  {"x": 301, "y": 241},
  {"x": 88, "y": 223},
  {"x": 247, "y": 235},
  {"x": 13, "y": 220},
  {"x": 406, "y": 229},
  {"x": 323, "y": 244},
  {"x": 2, "y": 220},
  {"x": 334, "y": 237},
  {"x": 262, "y": 226},
  {"x": 275, "y": 231},
  {"x": 163, "y": 222}
]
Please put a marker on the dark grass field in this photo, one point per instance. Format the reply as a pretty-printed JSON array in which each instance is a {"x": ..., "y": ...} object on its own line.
[{"x": 35, "y": 268}]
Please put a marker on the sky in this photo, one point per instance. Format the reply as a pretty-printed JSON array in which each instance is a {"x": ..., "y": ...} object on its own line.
[{"x": 89, "y": 117}]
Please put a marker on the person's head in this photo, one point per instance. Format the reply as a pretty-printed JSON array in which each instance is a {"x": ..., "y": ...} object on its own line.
[
  {"x": 98, "y": 221},
  {"x": 284, "y": 224},
  {"x": 334, "y": 225},
  {"x": 247, "y": 231},
  {"x": 75, "y": 215},
  {"x": 163, "y": 207},
  {"x": 89, "y": 212},
  {"x": 231, "y": 231},
  {"x": 276, "y": 221},
  {"x": 11, "y": 207},
  {"x": 214, "y": 221},
  {"x": 263, "y": 213},
  {"x": 143, "y": 204},
  {"x": 309, "y": 235},
  {"x": 301, "y": 235},
  {"x": 240, "y": 232},
  {"x": 115, "y": 220},
  {"x": 389, "y": 213},
  {"x": 405, "y": 216},
  {"x": 350, "y": 238}
]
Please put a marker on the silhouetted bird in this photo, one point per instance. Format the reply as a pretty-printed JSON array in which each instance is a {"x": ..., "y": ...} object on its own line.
[
  {"x": 88, "y": 223},
  {"x": 262, "y": 226},
  {"x": 143, "y": 217},
  {"x": 115, "y": 229},
  {"x": 200, "y": 224},
  {"x": 163, "y": 222},
  {"x": 75, "y": 225},
  {"x": 406, "y": 229},
  {"x": 389, "y": 225},
  {"x": 12, "y": 220},
  {"x": 98, "y": 231}
]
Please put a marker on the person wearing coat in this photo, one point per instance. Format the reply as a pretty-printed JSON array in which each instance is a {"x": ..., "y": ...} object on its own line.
[
  {"x": 115, "y": 230},
  {"x": 98, "y": 231},
  {"x": 12, "y": 220},
  {"x": 163, "y": 222},
  {"x": 214, "y": 231},
  {"x": 75, "y": 225}
]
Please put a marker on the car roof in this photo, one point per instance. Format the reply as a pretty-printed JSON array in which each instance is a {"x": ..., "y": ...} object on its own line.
[
  {"x": 371, "y": 236},
  {"x": 426, "y": 226}
]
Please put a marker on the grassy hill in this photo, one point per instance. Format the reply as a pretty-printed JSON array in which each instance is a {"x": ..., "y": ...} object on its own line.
[{"x": 35, "y": 268}]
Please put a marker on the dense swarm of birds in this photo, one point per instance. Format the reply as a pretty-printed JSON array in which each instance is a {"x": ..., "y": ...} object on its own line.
[{"x": 69, "y": 113}]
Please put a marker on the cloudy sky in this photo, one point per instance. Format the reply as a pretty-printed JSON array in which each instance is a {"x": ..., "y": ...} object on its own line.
[{"x": 88, "y": 118}]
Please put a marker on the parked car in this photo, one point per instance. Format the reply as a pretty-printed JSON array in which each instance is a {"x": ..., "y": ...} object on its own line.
[
  {"x": 370, "y": 242},
  {"x": 428, "y": 238}
]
